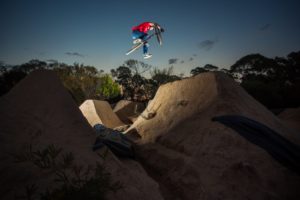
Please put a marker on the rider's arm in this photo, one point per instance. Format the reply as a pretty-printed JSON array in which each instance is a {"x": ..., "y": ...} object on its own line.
[{"x": 158, "y": 26}]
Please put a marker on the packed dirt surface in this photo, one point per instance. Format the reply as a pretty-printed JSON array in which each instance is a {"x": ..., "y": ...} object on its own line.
[
  {"x": 180, "y": 152},
  {"x": 128, "y": 111},
  {"x": 193, "y": 157},
  {"x": 100, "y": 112},
  {"x": 291, "y": 118},
  {"x": 40, "y": 112}
]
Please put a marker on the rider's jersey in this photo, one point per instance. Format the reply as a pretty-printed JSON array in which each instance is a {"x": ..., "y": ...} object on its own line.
[{"x": 144, "y": 27}]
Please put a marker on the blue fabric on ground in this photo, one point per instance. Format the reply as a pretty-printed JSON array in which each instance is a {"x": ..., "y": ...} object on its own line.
[
  {"x": 116, "y": 141},
  {"x": 285, "y": 152}
]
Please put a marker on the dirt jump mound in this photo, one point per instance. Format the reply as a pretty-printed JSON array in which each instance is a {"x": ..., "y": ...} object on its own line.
[{"x": 193, "y": 157}]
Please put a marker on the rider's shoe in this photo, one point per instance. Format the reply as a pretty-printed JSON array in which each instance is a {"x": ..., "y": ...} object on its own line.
[
  {"x": 147, "y": 55},
  {"x": 136, "y": 41}
]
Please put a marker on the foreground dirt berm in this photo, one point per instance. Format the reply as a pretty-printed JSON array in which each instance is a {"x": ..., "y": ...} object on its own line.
[{"x": 39, "y": 111}]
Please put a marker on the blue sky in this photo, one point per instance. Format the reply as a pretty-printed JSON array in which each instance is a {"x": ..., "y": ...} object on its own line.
[{"x": 98, "y": 32}]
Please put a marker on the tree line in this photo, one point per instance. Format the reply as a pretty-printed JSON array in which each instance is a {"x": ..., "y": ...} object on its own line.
[
  {"x": 275, "y": 82},
  {"x": 82, "y": 81}
]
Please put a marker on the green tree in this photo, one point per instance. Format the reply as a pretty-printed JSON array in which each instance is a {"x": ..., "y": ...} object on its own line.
[
  {"x": 124, "y": 78},
  {"x": 108, "y": 88},
  {"x": 210, "y": 67},
  {"x": 129, "y": 75},
  {"x": 137, "y": 67},
  {"x": 162, "y": 76},
  {"x": 273, "y": 82},
  {"x": 293, "y": 67},
  {"x": 82, "y": 81},
  {"x": 205, "y": 68},
  {"x": 252, "y": 65},
  {"x": 198, "y": 70},
  {"x": 123, "y": 75},
  {"x": 32, "y": 65},
  {"x": 150, "y": 87},
  {"x": 10, "y": 78}
]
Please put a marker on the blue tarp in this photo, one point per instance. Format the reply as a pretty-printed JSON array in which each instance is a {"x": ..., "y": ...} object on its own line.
[
  {"x": 116, "y": 141},
  {"x": 276, "y": 145}
]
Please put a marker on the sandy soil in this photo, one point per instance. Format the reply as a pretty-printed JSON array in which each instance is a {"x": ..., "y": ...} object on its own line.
[
  {"x": 181, "y": 153},
  {"x": 100, "y": 112},
  {"x": 291, "y": 118},
  {"x": 39, "y": 111},
  {"x": 128, "y": 111},
  {"x": 194, "y": 158}
]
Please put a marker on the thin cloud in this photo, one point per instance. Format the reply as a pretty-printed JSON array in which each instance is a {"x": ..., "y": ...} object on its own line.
[
  {"x": 173, "y": 61},
  {"x": 74, "y": 54},
  {"x": 52, "y": 61},
  {"x": 207, "y": 44},
  {"x": 265, "y": 27}
]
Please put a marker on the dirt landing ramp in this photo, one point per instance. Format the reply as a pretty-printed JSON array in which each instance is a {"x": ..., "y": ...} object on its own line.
[{"x": 193, "y": 157}]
